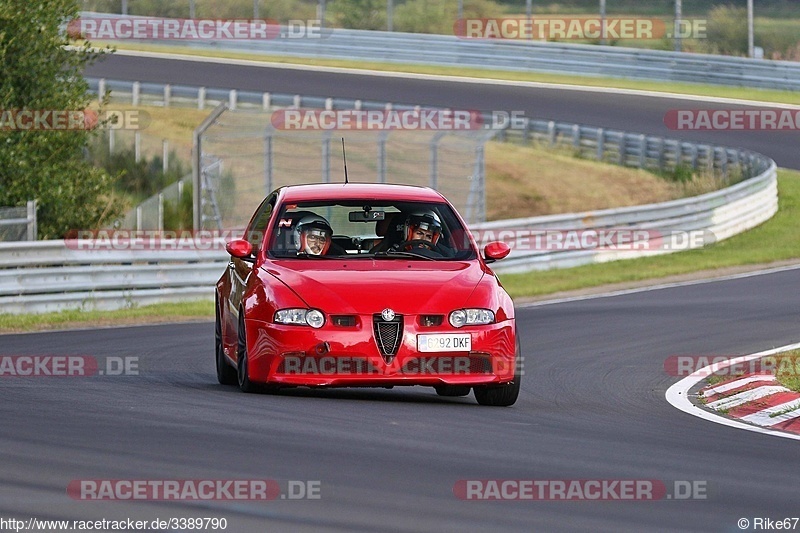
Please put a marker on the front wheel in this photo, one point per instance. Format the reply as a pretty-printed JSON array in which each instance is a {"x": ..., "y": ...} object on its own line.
[
  {"x": 502, "y": 395},
  {"x": 226, "y": 374},
  {"x": 499, "y": 395},
  {"x": 241, "y": 359}
]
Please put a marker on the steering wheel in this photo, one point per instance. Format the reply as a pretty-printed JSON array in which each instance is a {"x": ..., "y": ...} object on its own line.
[{"x": 417, "y": 243}]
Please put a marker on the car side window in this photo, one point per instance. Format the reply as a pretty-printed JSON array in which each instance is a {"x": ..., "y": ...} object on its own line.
[{"x": 256, "y": 230}]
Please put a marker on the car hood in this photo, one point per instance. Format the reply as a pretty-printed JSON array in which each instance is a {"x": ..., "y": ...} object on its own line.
[{"x": 369, "y": 286}]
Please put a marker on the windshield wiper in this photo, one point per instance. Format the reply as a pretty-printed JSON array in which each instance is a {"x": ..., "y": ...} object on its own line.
[{"x": 401, "y": 253}]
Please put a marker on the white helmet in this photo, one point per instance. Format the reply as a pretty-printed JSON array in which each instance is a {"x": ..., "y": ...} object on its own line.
[{"x": 312, "y": 225}]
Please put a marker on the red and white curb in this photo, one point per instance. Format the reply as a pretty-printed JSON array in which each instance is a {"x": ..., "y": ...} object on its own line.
[{"x": 754, "y": 402}]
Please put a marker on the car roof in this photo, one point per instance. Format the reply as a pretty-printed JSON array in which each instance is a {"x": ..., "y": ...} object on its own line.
[{"x": 358, "y": 191}]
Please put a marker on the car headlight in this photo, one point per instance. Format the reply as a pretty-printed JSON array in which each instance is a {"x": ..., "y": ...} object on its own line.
[
  {"x": 471, "y": 317},
  {"x": 300, "y": 317}
]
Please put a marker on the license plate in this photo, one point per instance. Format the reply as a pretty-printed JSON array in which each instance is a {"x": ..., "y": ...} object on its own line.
[{"x": 454, "y": 342}]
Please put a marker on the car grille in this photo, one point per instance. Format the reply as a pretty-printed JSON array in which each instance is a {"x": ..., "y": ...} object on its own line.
[{"x": 388, "y": 335}]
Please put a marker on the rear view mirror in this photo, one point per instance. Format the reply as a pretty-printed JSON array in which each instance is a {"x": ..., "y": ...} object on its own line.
[{"x": 366, "y": 216}]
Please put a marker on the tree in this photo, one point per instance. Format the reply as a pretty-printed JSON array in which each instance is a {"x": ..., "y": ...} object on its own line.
[{"x": 40, "y": 73}]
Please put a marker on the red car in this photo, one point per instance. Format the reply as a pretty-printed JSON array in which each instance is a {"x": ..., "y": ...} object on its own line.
[{"x": 365, "y": 285}]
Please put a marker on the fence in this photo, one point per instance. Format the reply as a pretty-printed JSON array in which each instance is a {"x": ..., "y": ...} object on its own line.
[
  {"x": 18, "y": 223},
  {"x": 517, "y": 55}
]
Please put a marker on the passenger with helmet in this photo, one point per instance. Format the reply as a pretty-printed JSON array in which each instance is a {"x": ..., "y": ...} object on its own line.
[{"x": 313, "y": 235}]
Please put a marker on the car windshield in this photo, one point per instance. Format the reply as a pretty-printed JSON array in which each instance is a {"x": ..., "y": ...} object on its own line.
[{"x": 369, "y": 229}]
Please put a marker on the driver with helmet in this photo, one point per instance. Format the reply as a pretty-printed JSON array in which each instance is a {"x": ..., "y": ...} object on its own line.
[
  {"x": 422, "y": 227},
  {"x": 312, "y": 235}
]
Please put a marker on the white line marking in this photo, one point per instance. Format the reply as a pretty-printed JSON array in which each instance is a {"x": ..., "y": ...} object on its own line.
[
  {"x": 768, "y": 417},
  {"x": 745, "y": 397},
  {"x": 678, "y": 396}
]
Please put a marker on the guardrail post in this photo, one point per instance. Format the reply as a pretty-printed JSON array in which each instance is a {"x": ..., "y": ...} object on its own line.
[
  {"x": 326, "y": 156},
  {"x": 232, "y": 100},
  {"x": 328, "y": 104},
  {"x": 160, "y": 212},
  {"x": 297, "y": 101},
  {"x": 33, "y": 230},
  {"x": 693, "y": 154},
  {"x": 551, "y": 132},
  {"x": 266, "y": 102},
  {"x": 138, "y": 218},
  {"x": 111, "y": 141},
  {"x": 268, "y": 161},
  {"x": 167, "y": 94},
  {"x": 137, "y": 146},
  {"x": 576, "y": 137},
  {"x": 357, "y": 105},
  {"x": 642, "y": 151},
  {"x": 434, "y": 161},
  {"x": 201, "y": 98},
  {"x": 601, "y": 143},
  {"x": 382, "y": 136},
  {"x": 164, "y": 155},
  {"x": 101, "y": 89},
  {"x": 135, "y": 93},
  {"x": 622, "y": 148}
]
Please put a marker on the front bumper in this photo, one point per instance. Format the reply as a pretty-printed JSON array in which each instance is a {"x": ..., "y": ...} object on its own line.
[{"x": 349, "y": 356}]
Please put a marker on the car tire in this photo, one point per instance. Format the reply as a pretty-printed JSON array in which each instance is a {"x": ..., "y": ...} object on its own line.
[
  {"x": 501, "y": 395},
  {"x": 226, "y": 374},
  {"x": 242, "y": 374},
  {"x": 452, "y": 390}
]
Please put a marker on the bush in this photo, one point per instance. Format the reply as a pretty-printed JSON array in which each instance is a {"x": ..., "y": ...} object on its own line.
[{"x": 727, "y": 30}]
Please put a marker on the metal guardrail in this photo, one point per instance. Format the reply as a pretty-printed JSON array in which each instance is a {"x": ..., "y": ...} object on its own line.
[{"x": 516, "y": 55}]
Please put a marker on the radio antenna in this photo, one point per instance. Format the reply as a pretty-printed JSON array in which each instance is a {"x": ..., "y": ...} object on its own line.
[{"x": 344, "y": 156}]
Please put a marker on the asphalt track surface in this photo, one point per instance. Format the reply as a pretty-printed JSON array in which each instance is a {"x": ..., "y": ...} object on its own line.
[
  {"x": 592, "y": 407},
  {"x": 634, "y": 113}
]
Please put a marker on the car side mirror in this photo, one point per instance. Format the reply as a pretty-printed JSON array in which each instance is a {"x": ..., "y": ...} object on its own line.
[
  {"x": 495, "y": 251},
  {"x": 241, "y": 249}
]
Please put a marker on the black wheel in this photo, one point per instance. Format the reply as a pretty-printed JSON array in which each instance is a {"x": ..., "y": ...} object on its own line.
[
  {"x": 241, "y": 359},
  {"x": 501, "y": 395},
  {"x": 226, "y": 374},
  {"x": 452, "y": 390}
]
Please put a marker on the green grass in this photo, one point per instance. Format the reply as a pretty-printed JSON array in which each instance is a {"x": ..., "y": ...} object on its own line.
[
  {"x": 787, "y": 369},
  {"x": 167, "y": 312},
  {"x": 775, "y": 240},
  {"x": 762, "y": 95}
]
